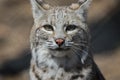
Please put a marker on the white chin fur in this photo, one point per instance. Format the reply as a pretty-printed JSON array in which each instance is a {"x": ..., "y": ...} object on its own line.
[{"x": 59, "y": 54}]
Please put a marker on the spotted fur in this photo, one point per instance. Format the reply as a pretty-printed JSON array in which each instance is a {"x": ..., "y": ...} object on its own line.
[{"x": 72, "y": 59}]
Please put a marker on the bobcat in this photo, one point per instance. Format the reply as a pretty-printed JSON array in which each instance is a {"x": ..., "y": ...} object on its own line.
[{"x": 60, "y": 43}]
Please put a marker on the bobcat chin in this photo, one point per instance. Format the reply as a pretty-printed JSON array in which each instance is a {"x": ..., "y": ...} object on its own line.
[{"x": 60, "y": 43}]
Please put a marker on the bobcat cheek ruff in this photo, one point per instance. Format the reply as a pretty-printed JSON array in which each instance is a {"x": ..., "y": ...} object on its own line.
[{"x": 60, "y": 43}]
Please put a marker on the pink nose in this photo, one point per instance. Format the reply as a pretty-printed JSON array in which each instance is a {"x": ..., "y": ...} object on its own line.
[{"x": 59, "y": 41}]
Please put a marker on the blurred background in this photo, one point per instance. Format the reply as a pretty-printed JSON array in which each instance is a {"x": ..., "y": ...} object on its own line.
[{"x": 16, "y": 22}]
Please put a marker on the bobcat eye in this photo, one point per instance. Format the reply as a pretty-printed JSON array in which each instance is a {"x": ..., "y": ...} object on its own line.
[
  {"x": 71, "y": 27},
  {"x": 48, "y": 27}
]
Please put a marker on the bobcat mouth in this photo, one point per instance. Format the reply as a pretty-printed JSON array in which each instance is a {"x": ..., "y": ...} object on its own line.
[{"x": 60, "y": 49}]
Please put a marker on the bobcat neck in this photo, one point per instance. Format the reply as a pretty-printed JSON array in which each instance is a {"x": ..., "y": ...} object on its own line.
[
  {"x": 59, "y": 67},
  {"x": 44, "y": 55}
]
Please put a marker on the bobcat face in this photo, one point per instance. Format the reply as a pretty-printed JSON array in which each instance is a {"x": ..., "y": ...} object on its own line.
[{"x": 61, "y": 30}]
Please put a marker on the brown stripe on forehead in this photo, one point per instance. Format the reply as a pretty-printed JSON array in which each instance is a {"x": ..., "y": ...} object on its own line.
[
  {"x": 59, "y": 15},
  {"x": 61, "y": 12}
]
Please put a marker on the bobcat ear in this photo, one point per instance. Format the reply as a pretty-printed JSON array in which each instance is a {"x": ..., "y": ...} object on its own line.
[
  {"x": 81, "y": 5},
  {"x": 39, "y": 7}
]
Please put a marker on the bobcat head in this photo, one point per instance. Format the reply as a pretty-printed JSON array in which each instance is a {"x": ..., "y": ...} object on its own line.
[{"x": 61, "y": 30}]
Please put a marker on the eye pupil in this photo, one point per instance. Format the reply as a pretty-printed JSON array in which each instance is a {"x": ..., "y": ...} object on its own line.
[
  {"x": 48, "y": 27},
  {"x": 71, "y": 27}
]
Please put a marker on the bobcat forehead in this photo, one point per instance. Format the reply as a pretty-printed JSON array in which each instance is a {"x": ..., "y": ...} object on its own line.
[{"x": 60, "y": 16}]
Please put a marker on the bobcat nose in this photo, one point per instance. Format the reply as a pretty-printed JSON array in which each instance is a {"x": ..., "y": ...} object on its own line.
[{"x": 59, "y": 41}]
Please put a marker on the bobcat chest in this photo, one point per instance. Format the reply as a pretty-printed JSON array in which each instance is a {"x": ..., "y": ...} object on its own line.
[
  {"x": 44, "y": 66},
  {"x": 58, "y": 73}
]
